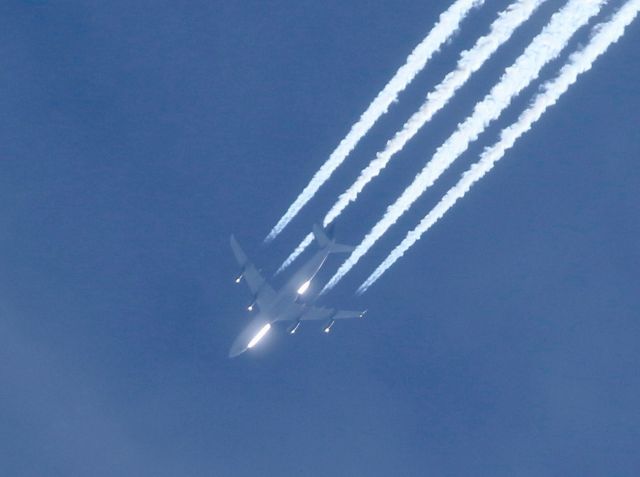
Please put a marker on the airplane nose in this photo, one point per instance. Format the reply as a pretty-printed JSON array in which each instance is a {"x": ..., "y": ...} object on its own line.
[
  {"x": 250, "y": 336},
  {"x": 236, "y": 349}
]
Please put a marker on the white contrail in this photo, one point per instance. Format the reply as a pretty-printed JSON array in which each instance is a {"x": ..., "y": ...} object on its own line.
[
  {"x": 470, "y": 61},
  {"x": 544, "y": 47},
  {"x": 580, "y": 62},
  {"x": 446, "y": 26},
  {"x": 302, "y": 246}
]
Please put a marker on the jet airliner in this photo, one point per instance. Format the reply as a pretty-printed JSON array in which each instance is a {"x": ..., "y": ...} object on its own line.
[{"x": 289, "y": 303}]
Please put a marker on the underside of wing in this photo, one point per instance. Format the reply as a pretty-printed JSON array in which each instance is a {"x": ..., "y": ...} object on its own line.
[
  {"x": 321, "y": 313},
  {"x": 262, "y": 292}
]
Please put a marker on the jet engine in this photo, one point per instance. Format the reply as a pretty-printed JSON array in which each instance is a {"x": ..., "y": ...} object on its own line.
[
  {"x": 328, "y": 325},
  {"x": 293, "y": 327},
  {"x": 252, "y": 305}
]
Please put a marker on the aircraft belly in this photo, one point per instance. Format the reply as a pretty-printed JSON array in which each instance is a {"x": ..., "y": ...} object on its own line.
[{"x": 241, "y": 343}]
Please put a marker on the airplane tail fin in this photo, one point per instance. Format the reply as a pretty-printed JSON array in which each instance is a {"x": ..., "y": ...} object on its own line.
[{"x": 324, "y": 239}]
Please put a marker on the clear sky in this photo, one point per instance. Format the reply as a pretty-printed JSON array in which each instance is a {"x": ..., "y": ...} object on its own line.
[{"x": 135, "y": 137}]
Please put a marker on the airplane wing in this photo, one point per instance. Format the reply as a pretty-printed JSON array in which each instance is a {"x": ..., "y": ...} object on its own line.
[
  {"x": 321, "y": 313},
  {"x": 260, "y": 288}
]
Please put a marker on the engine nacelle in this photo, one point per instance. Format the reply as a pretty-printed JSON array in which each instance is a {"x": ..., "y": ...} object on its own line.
[
  {"x": 241, "y": 276},
  {"x": 328, "y": 325},
  {"x": 252, "y": 305},
  {"x": 293, "y": 327}
]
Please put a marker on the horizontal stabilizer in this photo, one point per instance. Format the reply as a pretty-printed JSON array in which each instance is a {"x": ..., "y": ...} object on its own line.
[
  {"x": 323, "y": 239},
  {"x": 320, "y": 313},
  {"x": 340, "y": 248}
]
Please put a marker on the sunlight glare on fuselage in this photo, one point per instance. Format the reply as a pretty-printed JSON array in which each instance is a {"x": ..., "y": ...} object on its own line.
[
  {"x": 303, "y": 288},
  {"x": 259, "y": 335}
]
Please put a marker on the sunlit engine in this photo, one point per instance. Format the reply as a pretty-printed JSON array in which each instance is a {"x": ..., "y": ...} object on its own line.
[
  {"x": 252, "y": 305},
  {"x": 328, "y": 325},
  {"x": 293, "y": 327}
]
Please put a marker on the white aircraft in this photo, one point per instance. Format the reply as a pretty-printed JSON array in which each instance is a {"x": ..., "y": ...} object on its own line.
[{"x": 289, "y": 303}]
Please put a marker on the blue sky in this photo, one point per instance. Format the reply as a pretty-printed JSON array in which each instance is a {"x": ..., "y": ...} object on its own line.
[{"x": 136, "y": 137}]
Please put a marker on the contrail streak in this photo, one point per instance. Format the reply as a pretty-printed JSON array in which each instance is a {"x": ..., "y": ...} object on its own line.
[
  {"x": 302, "y": 246},
  {"x": 448, "y": 23},
  {"x": 544, "y": 47},
  {"x": 470, "y": 61},
  {"x": 580, "y": 62}
]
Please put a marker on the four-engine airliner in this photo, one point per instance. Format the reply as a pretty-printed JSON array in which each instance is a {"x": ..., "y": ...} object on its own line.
[{"x": 290, "y": 302}]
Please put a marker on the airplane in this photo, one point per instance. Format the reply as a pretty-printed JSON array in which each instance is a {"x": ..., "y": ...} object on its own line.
[{"x": 289, "y": 303}]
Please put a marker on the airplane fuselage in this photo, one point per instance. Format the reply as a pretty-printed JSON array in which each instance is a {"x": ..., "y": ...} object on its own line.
[
  {"x": 284, "y": 306},
  {"x": 294, "y": 302}
]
